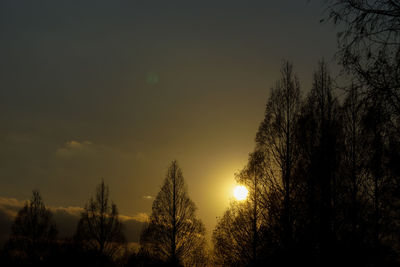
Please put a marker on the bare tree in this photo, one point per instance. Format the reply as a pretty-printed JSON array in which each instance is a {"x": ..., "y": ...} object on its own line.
[
  {"x": 321, "y": 125},
  {"x": 99, "y": 228},
  {"x": 254, "y": 178},
  {"x": 233, "y": 237},
  {"x": 245, "y": 233},
  {"x": 376, "y": 134},
  {"x": 276, "y": 138},
  {"x": 354, "y": 158},
  {"x": 369, "y": 48},
  {"x": 369, "y": 44},
  {"x": 174, "y": 234},
  {"x": 33, "y": 231}
]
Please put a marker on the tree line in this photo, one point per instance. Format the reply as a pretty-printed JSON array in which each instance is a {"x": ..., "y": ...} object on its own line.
[
  {"x": 323, "y": 178},
  {"x": 324, "y": 174},
  {"x": 34, "y": 237},
  {"x": 323, "y": 181},
  {"x": 174, "y": 236}
]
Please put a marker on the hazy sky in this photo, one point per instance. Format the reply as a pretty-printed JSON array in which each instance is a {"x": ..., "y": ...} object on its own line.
[{"x": 118, "y": 89}]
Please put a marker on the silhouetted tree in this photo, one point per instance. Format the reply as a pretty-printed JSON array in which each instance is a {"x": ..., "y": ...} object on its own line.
[
  {"x": 276, "y": 139},
  {"x": 323, "y": 179},
  {"x": 353, "y": 185},
  {"x": 369, "y": 44},
  {"x": 233, "y": 236},
  {"x": 99, "y": 228},
  {"x": 321, "y": 122},
  {"x": 254, "y": 177},
  {"x": 174, "y": 234},
  {"x": 33, "y": 233},
  {"x": 353, "y": 162},
  {"x": 369, "y": 50},
  {"x": 251, "y": 232},
  {"x": 384, "y": 205}
]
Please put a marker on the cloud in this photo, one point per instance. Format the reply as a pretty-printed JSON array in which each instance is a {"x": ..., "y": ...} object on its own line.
[
  {"x": 66, "y": 219},
  {"x": 73, "y": 148},
  {"x": 76, "y": 144},
  {"x": 140, "y": 217},
  {"x": 76, "y": 211},
  {"x": 5, "y": 226},
  {"x": 10, "y": 206}
]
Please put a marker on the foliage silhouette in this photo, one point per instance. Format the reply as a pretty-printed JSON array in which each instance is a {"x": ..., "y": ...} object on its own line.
[
  {"x": 276, "y": 139},
  {"x": 99, "y": 228},
  {"x": 340, "y": 203},
  {"x": 234, "y": 237},
  {"x": 174, "y": 234},
  {"x": 369, "y": 45},
  {"x": 33, "y": 233},
  {"x": 323, "y": 178}
]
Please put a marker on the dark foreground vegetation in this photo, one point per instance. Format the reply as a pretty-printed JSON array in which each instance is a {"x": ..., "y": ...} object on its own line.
[
  {"x": 172, "y": 237},
  {"x": 323, "y": 179}
]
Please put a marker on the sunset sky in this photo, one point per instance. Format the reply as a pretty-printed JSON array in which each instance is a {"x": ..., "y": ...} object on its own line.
[{"x": 119, "y": 89}]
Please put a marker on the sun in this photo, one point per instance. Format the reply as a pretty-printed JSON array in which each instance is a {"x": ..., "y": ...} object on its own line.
[{"x": 240, "y": 192}]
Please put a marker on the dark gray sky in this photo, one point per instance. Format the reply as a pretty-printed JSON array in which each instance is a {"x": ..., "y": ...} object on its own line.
[{"x": 118, "y": 89}]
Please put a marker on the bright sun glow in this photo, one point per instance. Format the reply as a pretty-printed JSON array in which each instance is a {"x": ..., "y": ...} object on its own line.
[{"x": 240, "y": 192}]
